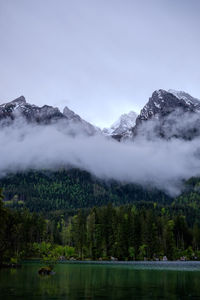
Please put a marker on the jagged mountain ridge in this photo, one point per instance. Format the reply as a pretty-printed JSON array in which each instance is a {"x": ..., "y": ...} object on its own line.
[
  {"x": 20, "y": 109},
  {"x": 167, "y": 114}
]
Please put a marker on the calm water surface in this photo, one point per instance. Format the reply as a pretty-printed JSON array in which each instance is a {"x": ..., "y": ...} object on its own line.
[{"x": 103, "y": 281}]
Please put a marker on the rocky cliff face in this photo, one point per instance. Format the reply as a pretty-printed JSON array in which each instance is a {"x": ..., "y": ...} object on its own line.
[{"x": 169, "y": 114}]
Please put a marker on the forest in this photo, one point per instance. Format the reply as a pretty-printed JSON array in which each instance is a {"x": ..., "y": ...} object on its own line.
[
  {"x": 47, "y": 191},
  {"x": 133, "y": 231}
]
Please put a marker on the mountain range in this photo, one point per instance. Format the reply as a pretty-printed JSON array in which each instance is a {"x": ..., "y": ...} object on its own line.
[
  {"x": 167, "y": 114},
  {"x": 19, "y": 110}
]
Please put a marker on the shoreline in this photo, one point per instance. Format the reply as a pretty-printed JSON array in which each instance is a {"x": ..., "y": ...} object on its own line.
[{"x": 121, "y": 262}]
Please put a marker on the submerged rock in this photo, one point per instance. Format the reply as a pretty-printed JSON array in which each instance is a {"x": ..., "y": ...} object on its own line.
[{"x": 45, "y": 271}]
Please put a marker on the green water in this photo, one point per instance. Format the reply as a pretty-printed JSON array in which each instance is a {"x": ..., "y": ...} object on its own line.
[{"x": 103, "y": 281}]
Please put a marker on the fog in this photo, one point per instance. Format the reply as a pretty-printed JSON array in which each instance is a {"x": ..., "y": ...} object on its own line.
[
  {"x": 176, "y": 124},
  {"x": 160, "y": 163}
]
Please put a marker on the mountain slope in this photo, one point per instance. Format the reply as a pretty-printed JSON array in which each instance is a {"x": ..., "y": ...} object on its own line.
[
  {"x": 169, "y": 114},
  {"x": 72, "y": 189}
]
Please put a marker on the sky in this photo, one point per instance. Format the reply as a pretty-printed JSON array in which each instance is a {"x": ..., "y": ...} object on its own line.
[{"x": 101, "y": 58}]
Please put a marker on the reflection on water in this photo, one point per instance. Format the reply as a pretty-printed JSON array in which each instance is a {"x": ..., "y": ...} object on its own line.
[{"x": 103, "y": 281}]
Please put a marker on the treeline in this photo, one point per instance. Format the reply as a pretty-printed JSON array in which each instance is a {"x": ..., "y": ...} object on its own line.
[
  {"x": 18, "y": 231},
  {"x": 126, "y": 232},
  {"x": 49, "y": 191}
]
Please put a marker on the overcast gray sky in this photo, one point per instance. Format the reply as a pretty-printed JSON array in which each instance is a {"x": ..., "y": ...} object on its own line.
[{"x": 101, "y": 58}]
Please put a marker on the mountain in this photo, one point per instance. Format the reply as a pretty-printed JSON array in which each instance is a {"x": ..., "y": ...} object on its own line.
[
  {"x": 122, "y": 128},
  {"x": 20, "y": 110},
  {"x": 169, "y": 114},
  {"x": 78, "y": 121}
]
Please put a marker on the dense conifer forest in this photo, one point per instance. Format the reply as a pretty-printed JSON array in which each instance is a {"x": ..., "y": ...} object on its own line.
[
  {"x": 48, "y": 191},
  {"x": 98, "y": 220}
]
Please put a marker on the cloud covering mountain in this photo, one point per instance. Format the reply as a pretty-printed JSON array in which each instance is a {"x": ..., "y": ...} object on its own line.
[{"x": 160, "y": 162}]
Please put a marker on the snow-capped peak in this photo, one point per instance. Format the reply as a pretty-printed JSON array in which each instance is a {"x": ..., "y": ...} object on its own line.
[
  {"x": 122, "y": 125},
  {"x": 185, "y": 96}
]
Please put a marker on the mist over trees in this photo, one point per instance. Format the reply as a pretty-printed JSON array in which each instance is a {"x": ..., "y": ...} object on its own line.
[
  {"x": 140, "y": 196},
  {"x": 163, "y": 164}
]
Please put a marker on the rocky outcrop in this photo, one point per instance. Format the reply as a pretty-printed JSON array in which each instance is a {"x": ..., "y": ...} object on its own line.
[{"x": 169, "y": 115}]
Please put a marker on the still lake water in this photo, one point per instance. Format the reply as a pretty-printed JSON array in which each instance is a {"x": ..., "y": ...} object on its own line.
[{"x": 140, "y": 280}]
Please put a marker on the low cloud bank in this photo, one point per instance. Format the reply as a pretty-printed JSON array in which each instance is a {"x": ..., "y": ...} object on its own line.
[{"x": 163, "y": 164}]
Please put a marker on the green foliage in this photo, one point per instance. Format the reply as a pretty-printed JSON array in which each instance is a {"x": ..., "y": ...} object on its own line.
[
  {"x": 13, "y": 260},
  {"x": 124, "y": 232},
  {"x": 147, "y": 224},
  {"x": 42, "y": 249},
  {"x": 49, "y": 261},
  {"x": 49, "y": 191},
  {"x": 131, "y": 251},
  {"x": 142, "y": 251}
]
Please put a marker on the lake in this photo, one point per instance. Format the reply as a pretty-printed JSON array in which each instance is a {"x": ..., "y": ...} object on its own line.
[{"x": 137, "y": 280}]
